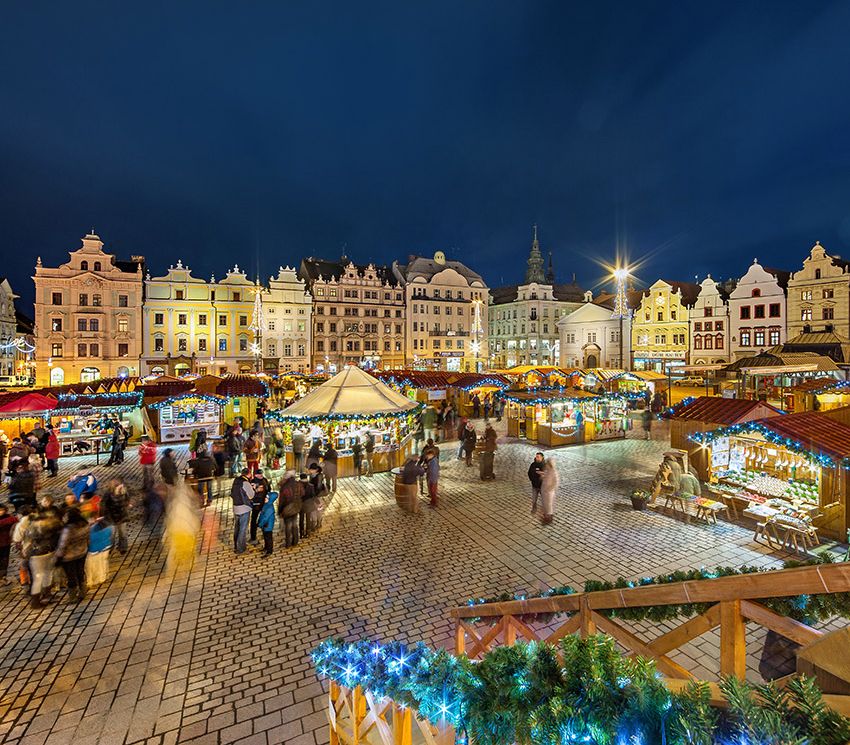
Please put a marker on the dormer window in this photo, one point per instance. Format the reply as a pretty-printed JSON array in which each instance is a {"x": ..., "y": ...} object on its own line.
[
  {"x": 756, "y": 292},
  {"x": 817, "y": 273},
  {"x": 237, "y": 296},
  {"x": 97, "y": 266},
  {"x": 84, "y": 265}
]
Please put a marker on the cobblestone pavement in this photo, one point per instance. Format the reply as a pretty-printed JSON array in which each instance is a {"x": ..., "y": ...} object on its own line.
[{"x": 219, "y": 654}]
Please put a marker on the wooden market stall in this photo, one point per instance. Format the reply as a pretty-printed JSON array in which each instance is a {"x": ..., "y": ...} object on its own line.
[
  {"x": 821, "y": 394},
  {"x": 343, "y": 410},
  {"x": 435, "y": 386},
  {"x": 595, "y": 379},
  {"x": 565, "y": 416},
  {"x": 787, "y": 472},
  {"x": 635, "y": 384},
  {"x": 535, "y": 376},
  {"x": 23, "y": 411},
  {"x": 706, "y": 414},
  {"x": 88, "y": 417}
]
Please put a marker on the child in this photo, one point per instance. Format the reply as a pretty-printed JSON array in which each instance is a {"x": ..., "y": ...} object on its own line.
[
  {"x": 7, "y": 523},
  {"x": 266, "y": 523},
  {"x": 97, "y": 561}
]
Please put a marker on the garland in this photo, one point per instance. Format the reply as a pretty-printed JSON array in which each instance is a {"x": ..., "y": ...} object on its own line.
[
  {"x": 808, "y": 609},
  {"x": 280, "y": 415},
  {"x": 525, "y": 694}
]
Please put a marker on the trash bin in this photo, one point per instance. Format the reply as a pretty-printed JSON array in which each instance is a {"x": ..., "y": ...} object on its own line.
[{"x": 406, "y": 495}]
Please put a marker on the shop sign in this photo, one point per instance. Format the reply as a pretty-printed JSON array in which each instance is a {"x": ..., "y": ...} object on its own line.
[
  {"x": 437, "y": 395},
  {"x": 448, "y": 354},
  {"x": 86, "y": 410}
]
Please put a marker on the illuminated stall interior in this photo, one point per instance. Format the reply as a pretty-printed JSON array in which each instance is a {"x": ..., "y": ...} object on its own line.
[
  {"x": 342, "y": 410},
  {"x": 535, "y": 376},
  {"x": 88, "y": 417},
  {"x": 596, "y": 379},
  {"x": 560, "y": 416},
  {"x": 436, "y": 386},
  {"x": 821, "y": 394},
  {"x": 635, "y": 383},
  {"x": 791, "y": 468}
]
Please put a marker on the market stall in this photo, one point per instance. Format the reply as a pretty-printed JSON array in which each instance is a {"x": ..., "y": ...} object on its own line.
[
  {"x": 84, "y": 422},
  {"x": 343, "y": 411},
  {"x": 564, "y": 416},
  {"x": 786, "y": 471},
  {"x": 535, "y": 376},
  {"x": 821, "y": 394},
  {"x": 22, "y": 411},
  {"x": 596, "y": 379},
  {"x": 637, "y": 384},
  {"x": 175, "y": 417},
  {"x": 435, "y": 386}
]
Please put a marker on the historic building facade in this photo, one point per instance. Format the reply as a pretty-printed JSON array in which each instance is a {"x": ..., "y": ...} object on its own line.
[
  {"x": 757, "y": 314},
  {"x": 8, "y": 329},
  {"x": 590, "y": 336},
  {"x": 660, "y": 326},
  {"x": 710, "y": 332},
  {"x": 819, "y": 295},
  {"x": 88, "y": 316},
  {"x": 523, "y": 319},
  {"x": 446, "y": 314},
  {"x": 358, "y": 314},
  {"x": 287, "y": 323}
]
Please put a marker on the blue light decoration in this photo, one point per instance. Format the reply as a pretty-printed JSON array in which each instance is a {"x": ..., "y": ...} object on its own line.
[
  {"x": 205, "y": 397},
  {"x": 279, "y": 415}
]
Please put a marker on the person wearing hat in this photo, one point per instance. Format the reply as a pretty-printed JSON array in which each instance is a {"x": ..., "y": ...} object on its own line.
[{"x": 469, "y": 440}]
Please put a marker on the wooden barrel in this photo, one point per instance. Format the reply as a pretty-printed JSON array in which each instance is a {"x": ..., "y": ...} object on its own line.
[{"x": 406, "y": 495}]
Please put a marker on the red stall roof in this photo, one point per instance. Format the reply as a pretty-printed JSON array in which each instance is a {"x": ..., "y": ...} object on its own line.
[
  {"x": 724, "y": 411},
  {"x": 816, "y": 431}
]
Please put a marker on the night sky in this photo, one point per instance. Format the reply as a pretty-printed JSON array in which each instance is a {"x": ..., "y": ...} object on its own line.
[{"x": 693, "y": 135}]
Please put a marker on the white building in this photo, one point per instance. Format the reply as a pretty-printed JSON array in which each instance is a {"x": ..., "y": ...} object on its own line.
[
  {"x": 446, "y": 314},
  {"x": 757, "y": 314},
  {"x": 8, "y": 328},
  {"x": 590, "y": 337},
  {"x": 709, "y": 321},
  {"x": 287, "y": 310}
]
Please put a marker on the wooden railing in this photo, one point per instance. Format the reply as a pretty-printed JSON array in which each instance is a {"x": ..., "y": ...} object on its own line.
[{"x": 357, "y": 718}]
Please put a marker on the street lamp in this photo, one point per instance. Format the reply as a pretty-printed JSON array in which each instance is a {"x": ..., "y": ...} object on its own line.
[{"x": 621, "y": 305}]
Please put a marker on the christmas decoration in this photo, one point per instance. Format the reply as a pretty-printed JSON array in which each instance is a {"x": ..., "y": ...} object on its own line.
[
  {"x": 206, "y": 398},
  {"x": 747, "y": 428}
]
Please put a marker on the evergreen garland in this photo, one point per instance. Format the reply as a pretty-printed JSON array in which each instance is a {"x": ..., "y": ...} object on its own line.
[
  {"x": 809, "y": 609},
  {"x": 525, "y": 694}
]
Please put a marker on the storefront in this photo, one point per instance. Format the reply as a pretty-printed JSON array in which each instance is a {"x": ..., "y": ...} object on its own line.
[
  {"x": 175, "y": 418},
  {"x": 88, "y": 418},
  {"x": 790, "y": 470}
]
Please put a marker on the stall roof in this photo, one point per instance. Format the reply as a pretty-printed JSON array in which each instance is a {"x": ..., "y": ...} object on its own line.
[
  {"x": 812, "y": 429},
  {"x": 724, "y": 411},
  {"x": 774, "y": 360},
  {"x": 241, "y": 385},
  {"x": 166, "y": 389},
  {"x": 549, "y": 396},
  {"x": 23, "y": 402},
  {"x": 649, "y": 376},
  {"x": 603, "y": 373},
  {"x": 71, "y": 401},
  {"x": 821, "y": 385},
  {"x": 436, "y": 379},
  {"x": 350, "y": 393}
]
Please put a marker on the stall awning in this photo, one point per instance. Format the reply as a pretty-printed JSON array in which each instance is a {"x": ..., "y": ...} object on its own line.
[
  {"x": 723, "y": 411},
  {"x": 72, "y": 401},
  {"x": 548, "y": 396},
  {"x": 823, "y": 385},
  {"x": 601, "y": 373},
  {"x": 647, "y": 376},
  {"x": 18, "y": 403},
  {"x": 776, "y": 362}
]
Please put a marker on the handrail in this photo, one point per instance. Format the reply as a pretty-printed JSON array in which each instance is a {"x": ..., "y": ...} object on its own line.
[{"x": 809, "y": 580}]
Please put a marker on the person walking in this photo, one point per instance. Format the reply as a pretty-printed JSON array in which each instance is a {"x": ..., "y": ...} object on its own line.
[
  {"x": 97, "y": 561},
  {"x": 432, "y": 476},
  {"x": 647, "y": 423},
  {"x": 116, "y": 454},
  {"x": 251, "y": 451},
  {"x": 289, "y": 507},
  {"x": 51, "y": 451},
  {"x": 428, "y": 419},
  {"x": 298, "y": 450},
  {"x": 309, "y": 506},
  {"x": 203, "y": 469},
  {"x": 314, "y": 454},
  {"x": 476, "y": 406},
  {"x": 115, "y": 506},
  {"x": 266, "y": 524},
  {"x": 489, "y": 454},
  {"x": 261, "y": 492},
  {"x": 71, "y": 553},
  {"x": 242, "y": 494},
  {"x": 487, "y": 406},
  {"x": 430, "y": 446},
  {"x": 548, "y": 488},
  {"x": 369, "y": 448},
  {"x": 147, "y": 459},
  {"x": 461, "y": 430},
  {"x": 469, "y": 440},
  {"x": 329, "y": 467},
  {"x": 22, "y": 486},
  {"x": 168, "y": 467},
  {"x": 43, "y": 536},
  {"x": 7, "y": 525},
  {"x": 535, "y": 476},
  {"x": 357, "y": 456}
]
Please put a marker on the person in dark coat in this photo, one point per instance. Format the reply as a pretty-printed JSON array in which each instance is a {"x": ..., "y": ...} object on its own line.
[
  {"x": 22, "y": 486},
  {"x": 298, "y": 442},
  {"x": 262, "y": 488},
  {"x": 289, "y": 507},
  {"x": 204, "y": 470},
  {"x": 309, "y": 506},
  {"x": 329, "y": 468},
  {"x": 314, "y": 454},
  {"x": 469, "y": 440},
  {"x": 115, "y": 506},
  {"x": 116, "y": 455},
  {"x": 489, "y": 454},
  {"x": 476, "y": 406},
  {"x": 167, "y": 467},
  {"x": 411, "y": 471},
  {"x": 7, "y": 523},
  {"x": 71, "y": 553},
  {"x": 357, "y": 456},
  {"x": 535, "y": 476}
]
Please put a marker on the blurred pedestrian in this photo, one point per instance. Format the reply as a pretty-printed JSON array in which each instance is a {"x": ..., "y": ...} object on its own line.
[{"x": 71, "y": 553}]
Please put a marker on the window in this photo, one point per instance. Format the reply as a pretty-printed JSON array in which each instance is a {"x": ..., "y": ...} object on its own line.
[
  {"x": 386, "y": 346},
  {"x": 591, "y": 337},
  {"x": 708, "y": 312},
  {"x": 182, "y": 344},
  {"x": 243, "y": 344},
  {"x": 718, "y": 341},
  {"x": 56, "y": 298},
  {"x": 758, "y": 337},
  {"x": 708, "y": 326},
  {"x": 94, "y": 350},
  {"x": 828, "y": 314},
  {"x": 817, "y": 273},
  {"x": 158, "y": 344},
  {"x": 84, "y": 265},
  {"x": 94, "y": 324},
  {"x": 222, "y": 345},
  {"x": 806, "y": 295},
  {"x": 222, "y": 319},
  {"x": 272, "y": 349},
  {"x": 243, "y": 320},
  {"x": 95, "y": 301},
  {"x": 697, "y": 342},
  {"x": 82, "y": 350},
  {"x": 672, "y": 314},
  {"x": 333, "y": 328},
  {"x": 745, "y": 312},
  {"x": 123, "y": 350},
  {"x": 708, "y": 342},
  {"x": 84, "y": 299},
  {"x": 158, "y": 319},
  {"x": 320, "y": 327},
  {"x": 271, "y": 327},
  {"x": 287, "y": 350},
  {"x": 697, "y": 326},
  {"x": 661, "y": 339},
  {"x": 56, "y": 324},
  {"x": 237, "y": 297},
  {"x": 773, "y": 310},
  {"x": 182, "y": 319},
  {"x": 828, "y": 294},
  {"x": 806, "y": 314},
  {"x": 178, "y": 294},
  {"x": 774, "y": 336},
  {"x": 302, "y": 350},
  {"x": 82, "y": 324},
  {"x": 718, "y": 325},
  {"x": 202, "y": 319},
  {"x": 756, "y": 292},
  {"x": 320, "y": 346},
  {"x": 123, "y": 301},
  {"x": 123, "y": 325},
  {"x": 97, "y": 266},
  {"x": 436, "y": 343},
  {"x": 660, "y": 315},
  {"x": 55, "y": 350},
  {"x": 745, "y": 337},
  {"x": 202, "y": 344}
]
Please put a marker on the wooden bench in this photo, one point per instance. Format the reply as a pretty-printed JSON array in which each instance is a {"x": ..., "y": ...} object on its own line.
[
  {"x": 707, "y": 509},
  {"x": 677, "y": 502}
]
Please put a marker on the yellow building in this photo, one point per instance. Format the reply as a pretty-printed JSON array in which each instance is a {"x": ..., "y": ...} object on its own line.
[{"x": 660, "y": 326}]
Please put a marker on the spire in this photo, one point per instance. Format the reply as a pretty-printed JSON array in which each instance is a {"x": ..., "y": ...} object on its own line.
[
  {"x": 534, "y": 265},
  {"x": 550, "y": 272}
]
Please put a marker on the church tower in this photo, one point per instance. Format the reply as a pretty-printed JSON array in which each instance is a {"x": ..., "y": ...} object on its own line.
[{"x": 534, "y": 266}]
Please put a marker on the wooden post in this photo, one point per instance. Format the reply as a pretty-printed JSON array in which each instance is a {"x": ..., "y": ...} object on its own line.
[
  {"x": 460, "y": 637},
  {"x": 510, "y": 631},
  {"x": 402, "y": 726},
  {"x": 586, "y": 625},
  {"x": 333, "y": 696},
  {"x": 733, "y": 640},
  {"x": 358, "y": 712}
]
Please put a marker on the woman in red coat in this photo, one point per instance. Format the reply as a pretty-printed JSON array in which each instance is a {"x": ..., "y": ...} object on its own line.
[{"x": 51, "y": 451}]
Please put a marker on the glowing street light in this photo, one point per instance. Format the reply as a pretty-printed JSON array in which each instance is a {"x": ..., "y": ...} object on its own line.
[{"x": 621, "y": 304}]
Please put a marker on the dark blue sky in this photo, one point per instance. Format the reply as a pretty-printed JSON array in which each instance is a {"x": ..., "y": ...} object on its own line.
[{"x": 699, "y": 134}]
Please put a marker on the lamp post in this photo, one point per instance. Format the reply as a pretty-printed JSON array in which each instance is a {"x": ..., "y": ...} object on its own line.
[{"x": 621, "y": 305}]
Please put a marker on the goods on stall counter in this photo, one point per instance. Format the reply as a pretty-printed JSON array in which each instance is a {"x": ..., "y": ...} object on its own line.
[{"x": 772, "y": 486}]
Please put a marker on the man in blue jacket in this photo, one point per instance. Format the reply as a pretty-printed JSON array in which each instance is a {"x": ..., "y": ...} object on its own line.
[{"x": 266, "y": 523}]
